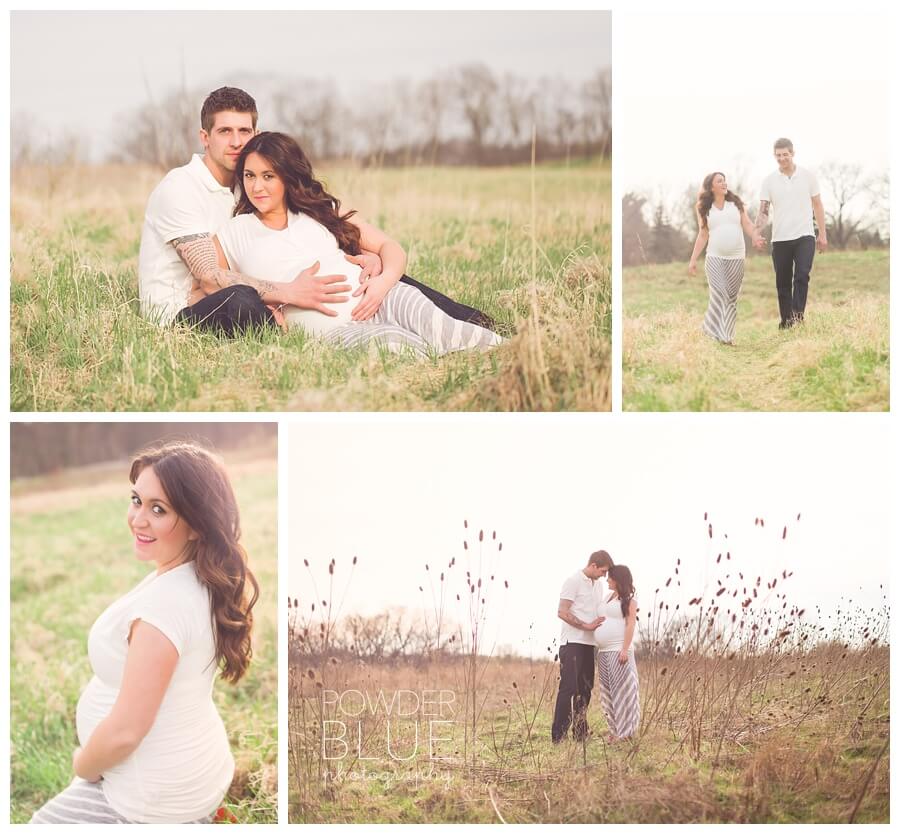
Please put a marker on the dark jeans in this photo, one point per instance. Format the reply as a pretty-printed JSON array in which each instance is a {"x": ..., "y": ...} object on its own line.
[
  {"x": 576, "y": 680},
  {"x": 793, "y": 260},
  {"x": 229, "y": 311},
  {"x": 234, "y": 309}
]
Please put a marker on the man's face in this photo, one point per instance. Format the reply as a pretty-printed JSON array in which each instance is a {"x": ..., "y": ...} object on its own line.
[
  {"x": 228, "y": 135},
  {"x": 785, "y": 158},
  {"x": 596, "y": 571}
]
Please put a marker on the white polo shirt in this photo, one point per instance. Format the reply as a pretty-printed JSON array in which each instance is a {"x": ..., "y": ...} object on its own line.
[
  {"x": 579, "y": 589},
  {"x": 188, "y": 201},
  {"x": 791, "y": 203}
]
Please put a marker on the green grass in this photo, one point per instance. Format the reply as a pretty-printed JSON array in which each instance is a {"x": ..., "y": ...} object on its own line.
[
  {"x": 78, "y": 343},
  {"x": 838, "y": 360},
  {"x": 71, "y": 557}
]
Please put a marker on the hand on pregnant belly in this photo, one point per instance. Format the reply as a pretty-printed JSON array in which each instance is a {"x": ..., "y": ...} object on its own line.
[
  {"x": 310, "y": 291},
  {"x": 373, "y": 291}
]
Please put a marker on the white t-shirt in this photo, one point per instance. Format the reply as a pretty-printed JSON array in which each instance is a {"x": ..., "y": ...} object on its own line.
[
  {"x": 188, "y": 201},
  {"x": 610, "y": 635},
  {"x": 726, "y": 238},
  {"x": 279, "y": 255},
  {"x": 791, "y": 199},
  {"x": 579, "y": 589},
  {"x": 182, "y": 768}
]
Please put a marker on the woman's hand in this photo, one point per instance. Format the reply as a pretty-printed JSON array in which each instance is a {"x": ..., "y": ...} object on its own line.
[
  {"x": 623, "y": 656},
  {"x": 90, "y": 777},
  {"x": 368, "y": 262},
  {"x": 692, "y": 268},
  {"x": 373, "y": 291},
  {"x": 277, "y": 311}
]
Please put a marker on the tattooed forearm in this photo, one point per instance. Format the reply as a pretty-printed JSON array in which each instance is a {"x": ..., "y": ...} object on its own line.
[
  {"x": 199, "y": 255},
  {"x": 762, "y": 218}
]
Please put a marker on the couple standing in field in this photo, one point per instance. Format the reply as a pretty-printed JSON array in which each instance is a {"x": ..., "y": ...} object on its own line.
[
  {"x": 599, "y": 615},
  {"x": 237, "y": 239},
  {"x": 722, "y": 219}
]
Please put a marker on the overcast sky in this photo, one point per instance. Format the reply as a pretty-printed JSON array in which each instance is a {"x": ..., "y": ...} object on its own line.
[
  {"x": 395, "y": 493},
  {"x": 79, "y": 70},
  {"x": 706, "y": 92}
]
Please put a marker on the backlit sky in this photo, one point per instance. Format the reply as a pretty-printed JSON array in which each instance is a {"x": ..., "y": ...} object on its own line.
[
  {"x": 79, "y": 70},
  {"x": 712, "y": 91},
  {"x": 395, "y": 493}
]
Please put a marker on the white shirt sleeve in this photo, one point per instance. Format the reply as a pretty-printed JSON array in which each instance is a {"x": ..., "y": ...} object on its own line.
[
  {"x": 175, "y": 215},
  {"x": 569, "y": 589},
  {"x": 166, "y": 608},
  {"x": 764, "y": 191},
  {"x": 813, "y": 185}
]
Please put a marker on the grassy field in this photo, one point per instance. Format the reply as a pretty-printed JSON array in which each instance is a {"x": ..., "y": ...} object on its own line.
[
  {"x": 794, "y": 737},
  {"x": 77, "y": 342},
  {"x": 71, "y": 557},
  {"x": 837, "y": 361}
]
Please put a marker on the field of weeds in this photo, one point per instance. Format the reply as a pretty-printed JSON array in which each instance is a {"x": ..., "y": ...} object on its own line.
[
  {"x": 838, "y": 360},
  {"x": 531, "y": 247},
  {"x": 71, "y": 557},
  {"x": 753, "y": 710}
]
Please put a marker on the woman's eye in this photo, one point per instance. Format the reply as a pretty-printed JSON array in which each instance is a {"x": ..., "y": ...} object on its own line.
[
  {"x": 135, "y": 500},
  {"x": 157, "y": 510}
]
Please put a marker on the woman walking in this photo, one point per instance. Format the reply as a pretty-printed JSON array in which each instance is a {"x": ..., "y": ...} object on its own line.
[
  {"x": 721, "y": 217},
  {"x": 153, "y": 748},
  {"x": 615, "y": 656}
]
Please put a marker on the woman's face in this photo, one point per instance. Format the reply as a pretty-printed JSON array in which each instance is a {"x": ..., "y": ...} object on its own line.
[
  {"x": 264, "y": 188},
  {"x": 160, "y": 534},
  {"x": 611, "y": 583},
  {"x": 719, "y": 186}
]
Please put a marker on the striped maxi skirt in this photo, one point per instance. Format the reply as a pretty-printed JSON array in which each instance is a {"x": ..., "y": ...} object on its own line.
[
  {"x": 619, "y": 693},
  {"x": 85, "y": 803},
  {"x": 724, "y": 276}
]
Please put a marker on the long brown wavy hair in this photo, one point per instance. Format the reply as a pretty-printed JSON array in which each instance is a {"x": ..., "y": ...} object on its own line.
[
  {"x": 198, "y": 488},
  {"x": 624, "y": 586},
  {"x": 303, "y": 193},
  {"x": 705, "y": 199}
]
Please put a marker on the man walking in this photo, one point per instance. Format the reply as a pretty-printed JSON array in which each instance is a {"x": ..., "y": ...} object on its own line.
[
  {"x": 578, "y": 611},
  {"x": 793, "y": 193}
]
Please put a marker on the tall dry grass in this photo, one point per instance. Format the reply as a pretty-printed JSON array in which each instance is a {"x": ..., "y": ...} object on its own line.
[{"x": 753, "y": 710}]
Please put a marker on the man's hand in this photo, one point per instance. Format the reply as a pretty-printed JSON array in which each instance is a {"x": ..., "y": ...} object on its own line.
[
  {"x": 369, "y": 262},
  {"x": 594, "y": 624},
  {"x": 759, "y": 242},
  {"x": 822, "y": 242},
  {"x": 315, "y": 292},
  {"x": 373, "y": 292},
  {"x": 90, "y": 777}
]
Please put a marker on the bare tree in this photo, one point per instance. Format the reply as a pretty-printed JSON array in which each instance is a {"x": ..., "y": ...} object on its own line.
[
  {"x": 475, "y": 91},
  {"x": 596, "y": 120},
  {"x": 847, "y": 188}
]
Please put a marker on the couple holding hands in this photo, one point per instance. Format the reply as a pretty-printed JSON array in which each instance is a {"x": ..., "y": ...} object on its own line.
[{"x": 722, "y": 219}]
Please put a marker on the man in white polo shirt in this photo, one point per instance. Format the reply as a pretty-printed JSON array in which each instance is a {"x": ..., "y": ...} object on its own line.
[
  {"x": 793, "y": 193},
  {"x": 578, "y": 611},
  {"x": 178, "y": 271}
]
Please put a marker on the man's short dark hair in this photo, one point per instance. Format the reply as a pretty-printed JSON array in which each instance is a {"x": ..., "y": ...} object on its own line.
[
  {"x": 226, "y": 98},
  {"x": 601, "y": 559},
  {"x": 784, "y": 143}
]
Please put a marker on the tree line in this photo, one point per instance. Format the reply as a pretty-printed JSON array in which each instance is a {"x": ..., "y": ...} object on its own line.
[
  {"x": 468, "y": 115},
  {"x": 41, "y": 448},
  {"x": 660, "y": 229}
]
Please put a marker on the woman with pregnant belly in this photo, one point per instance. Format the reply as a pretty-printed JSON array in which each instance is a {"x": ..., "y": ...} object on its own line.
[
  {"x": 285, "y": 221},
  {"x": 617, "y": 670},
  {"x": 153, "y": 747},
  {"x": 720, "y": 219}
]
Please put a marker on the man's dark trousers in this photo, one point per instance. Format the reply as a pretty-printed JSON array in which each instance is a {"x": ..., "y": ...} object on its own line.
[
  {"x": 793, "y": 260},
  {"x": 576, "y": 680}
]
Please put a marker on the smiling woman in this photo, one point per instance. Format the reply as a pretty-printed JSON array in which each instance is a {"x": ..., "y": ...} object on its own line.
[{"x": 153, "y": 746}]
